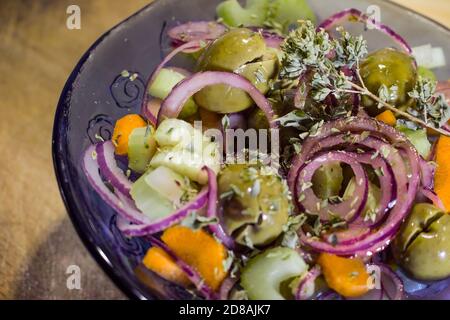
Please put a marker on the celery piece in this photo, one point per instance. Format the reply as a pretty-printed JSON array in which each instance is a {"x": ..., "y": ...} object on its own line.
[
  {"x": 234, "y": 15},
  {"x": 163, "y": 84},
  {"x": 158, "y": 192},
  {"x": 418, "y": 138},
  {"x": 283, "y": 13},
  {"x": 264, "y": 274},
  {"x": 288, "y": 12},
  {"x": 141, "y": 148}
]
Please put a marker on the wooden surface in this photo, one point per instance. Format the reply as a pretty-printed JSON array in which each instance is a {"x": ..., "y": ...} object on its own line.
[{"x": 37, "y": 53}]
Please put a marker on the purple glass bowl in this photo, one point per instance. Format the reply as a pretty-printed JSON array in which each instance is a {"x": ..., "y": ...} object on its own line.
[{"x": 96, "y": 95}]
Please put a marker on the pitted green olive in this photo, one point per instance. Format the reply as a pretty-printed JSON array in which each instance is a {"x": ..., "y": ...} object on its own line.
[
  {"x": 395, "y": 70},
  {"x": 422, "y": 247},
  {"x": 255, "y": 204},
  {"x": 243, "y": 52},
  {"x": 327, "y": 180}
]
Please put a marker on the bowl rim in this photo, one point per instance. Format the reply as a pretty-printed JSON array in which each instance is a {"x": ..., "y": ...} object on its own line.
[{"x": 58, "y": 139}]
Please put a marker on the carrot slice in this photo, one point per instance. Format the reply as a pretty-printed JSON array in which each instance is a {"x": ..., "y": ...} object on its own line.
[
  {"x": 348, "y": 277},
  {"x": 200, "y": 250},
  {"x": 442, "y": 175},
  {"x": 387, "y": 117},
  {"x": 162, "y": 264},
  {"x": 122, "y": 130}
]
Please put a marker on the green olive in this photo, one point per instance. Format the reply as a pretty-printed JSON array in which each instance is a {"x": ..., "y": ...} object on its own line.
[
  {"x": 395, "y": 70},
  {"x": 422, "y": 247},
  {"x": 243, "y": 52},
  {"x": 327, "y": 180},
  {"x": 255, "y": 204}
]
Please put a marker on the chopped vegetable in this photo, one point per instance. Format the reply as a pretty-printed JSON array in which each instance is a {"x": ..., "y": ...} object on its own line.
[
  {"x": 163, "y": 85},
  {"x": 387, "y": 117},
  {"x": 124, "y": 127},
  {"x": 141, "y": 148},
  {"x": 200, "y": 250},
  {"x": 442, "y": 176},
  {"x": 348, "y": 277},
  {"x": 185, "y": 150},
  {"x": 278, "y": 15},
  {"x": 264, "y": 274},
  {"x": 162, "y": 264},
  {"x": 418, "y": 138},
  {"x": 234, "y": 15},
  {"x": 327, "y": 180},
  {"x": 159, "y": 192}
]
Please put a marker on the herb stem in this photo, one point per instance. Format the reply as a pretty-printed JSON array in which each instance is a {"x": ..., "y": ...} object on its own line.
[{"x": 390, "y": 107}]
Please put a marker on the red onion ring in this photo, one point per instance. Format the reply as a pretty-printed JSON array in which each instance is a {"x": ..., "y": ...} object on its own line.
[
  {"x": 123, "y": 205},
  {"x": 192, "y": 274},
  {"x": 273, "y": 40},
  {"x": 226, "y": 287},
  {"x": 190, "y": 45},
  {"x": 91, "y": 169},
  {"x": 427, "y": 171},
  {"x": 173, "y": 104},
  {"x": 406, "y": 186},
  {"x": 304, "y": 287},
  {"x": 349, "y": 13},
  {"x": 433, "y": 197},
  {"x": 348, "y": 210},
  {"x": 152, "y": 227},
  {"x": 110, "y": 170},
  {"x": 216, "y": 229},
  {"x": 151, "y": 109},
  {"x": 196, "y": 31},
  {"x": 392, "y": 285}
]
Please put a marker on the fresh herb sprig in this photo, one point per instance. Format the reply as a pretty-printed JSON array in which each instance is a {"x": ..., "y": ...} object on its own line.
[{"x": 333, "y": 67}]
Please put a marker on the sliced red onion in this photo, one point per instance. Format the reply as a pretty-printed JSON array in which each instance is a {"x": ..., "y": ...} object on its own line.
[
  {"x": 354, "y": 13},
  {"x": 152, "y": 227},
  {"x": 226, "y": 287},
  {"x": 349, "y": 236},
  {"x": 273, "y": 40},
  {"x": 173, "y": 104},
  {"x": 192, "y": 274},
  {"x": 306, "y": 287},
  {"x": 347, "y": 210},
  {"x": 427, "y": 170},
  {"x": 216, "y": 229},
  {"x": 137, "y": 224},
  {"x": 109, "y": 169},
  {"x": 197, "y": 45},
  {"x": 433, "y": 197},
  {"x": 330, "y": 295},
  {"x": 196, "y": 31},
  {"x": 91, "y": 169},
  {"x": 406, "y": 183},
  {"x": 391, "y": 283},
  {"x": 151, "y": 109}
]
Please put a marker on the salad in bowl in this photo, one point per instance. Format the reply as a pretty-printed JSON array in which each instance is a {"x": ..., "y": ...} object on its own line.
[{"x": 290, "y": 162}]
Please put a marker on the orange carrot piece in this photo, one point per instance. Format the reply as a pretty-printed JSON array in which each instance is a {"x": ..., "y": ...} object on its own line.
[
  {"x": 123, "y": 129},
  {"x": 200, "y": 250},
  {"x": 387, "y": 117},
  {"x": 162, "y": 264},
  {"x": 442, "y": 175},
  {"x": 348, "y": 277}
]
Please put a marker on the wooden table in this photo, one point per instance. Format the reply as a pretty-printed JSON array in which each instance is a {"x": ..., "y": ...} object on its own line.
[{"x": 37, "y": 241}]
